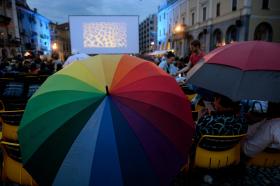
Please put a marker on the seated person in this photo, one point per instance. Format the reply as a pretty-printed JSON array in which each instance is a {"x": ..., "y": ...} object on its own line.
[
  {"x": 168, "y": 66},
  {"x": 224, "y": 121},
  {"x": 264, "y": 134}
]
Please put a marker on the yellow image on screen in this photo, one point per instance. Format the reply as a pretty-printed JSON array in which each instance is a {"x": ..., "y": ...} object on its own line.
[{"x": 105, "y": 35}]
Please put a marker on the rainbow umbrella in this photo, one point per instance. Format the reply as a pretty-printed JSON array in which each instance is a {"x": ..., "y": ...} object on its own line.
[{"x": 107, "y": 120}]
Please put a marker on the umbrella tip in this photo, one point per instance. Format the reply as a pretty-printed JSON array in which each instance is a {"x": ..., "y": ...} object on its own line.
[{"x": 107, "y": 90}]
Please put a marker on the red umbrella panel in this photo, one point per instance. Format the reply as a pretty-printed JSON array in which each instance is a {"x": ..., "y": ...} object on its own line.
[{"x": 242, "y": 70}]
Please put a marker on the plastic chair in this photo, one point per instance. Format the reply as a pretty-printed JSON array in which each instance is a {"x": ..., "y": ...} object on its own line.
[
  {"x": 213, "y": 152},
  {"x": 12, "y": 169},
  {"x": 267, "y": 158},
  {"x": 10, "y": 122}
]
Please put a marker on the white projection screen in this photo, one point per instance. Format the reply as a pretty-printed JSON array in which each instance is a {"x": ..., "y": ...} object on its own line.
[{"x": 104, "y": 34}]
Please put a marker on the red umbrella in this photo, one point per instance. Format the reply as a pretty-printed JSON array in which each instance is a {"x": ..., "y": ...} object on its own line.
[{"x": 242, "y": 70}]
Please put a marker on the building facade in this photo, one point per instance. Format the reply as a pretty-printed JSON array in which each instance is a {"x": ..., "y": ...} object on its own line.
[
  {"x": 9, "y": 31},
  {"x": 34, "y": 31},
  {"x": 148, "y": 34},
  {"x": 216, "y": 23},
  {"x": 219, "y": 22},
  {"x": 22, "y": 29},
  {"x": 172, "y": 17},
  {"x": 60, "y": 39}
]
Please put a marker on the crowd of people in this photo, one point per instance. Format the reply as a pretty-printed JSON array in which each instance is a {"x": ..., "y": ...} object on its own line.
[
  {"x": 225, "y": 117},
  {"x": 30, "y": 64}
]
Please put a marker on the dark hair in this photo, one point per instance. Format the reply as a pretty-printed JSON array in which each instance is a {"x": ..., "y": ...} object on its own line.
[
  {"x": 273, "y": 110},
  {"x": 58, "y": 67},
  {"x": 170, "y": 55},
  {"x": 228, "y": 103},
  {"x": 33, "y": 66},
  {"x": 195, "y": 43}
]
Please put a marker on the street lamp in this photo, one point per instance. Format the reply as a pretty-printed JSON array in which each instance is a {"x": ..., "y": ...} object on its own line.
[
  {"x": 152, "y": 45},
  {"x": 54, "y": 46},
  {"x": 178, "y": 28}
]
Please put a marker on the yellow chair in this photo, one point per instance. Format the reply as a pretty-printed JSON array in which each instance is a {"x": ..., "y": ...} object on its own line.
[
  {"x": 267, "y": 158},
  {"x": 12, "y": 169},
  {"x": 213, "y": 152},
  {"x": 10, "y": 122}
]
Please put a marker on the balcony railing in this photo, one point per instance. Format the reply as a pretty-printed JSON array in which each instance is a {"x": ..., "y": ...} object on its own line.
[
  {"x": 9, "y": 42},
  {"x": 4, "y": 20}
]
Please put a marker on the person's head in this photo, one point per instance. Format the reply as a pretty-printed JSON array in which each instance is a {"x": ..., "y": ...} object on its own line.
[
  {"x": 195, "y": 46},
  {"x": 55, "y": 56},
  {"x": 223, "y": 103},
  {"x": 58, "y": 67},
  {"x": 170, "y": 57},
  {"x": 33, "y": 67},
  {"x": 273, "y": 110}
]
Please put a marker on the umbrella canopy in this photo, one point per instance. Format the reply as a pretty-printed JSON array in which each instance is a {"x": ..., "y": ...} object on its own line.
[
  {"x": 108, "y": 120},
  {"x": 243, "y": 70},
  {"x": 75, "y": 57}
]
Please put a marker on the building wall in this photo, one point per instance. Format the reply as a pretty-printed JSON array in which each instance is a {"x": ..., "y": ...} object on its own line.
[
  {"x": 9, "y": 33},
  {"x": 162, "y": 27},
  {"x": 245, "y": 19},
  {"x": 148, "y": 34},
  {"x": 63, "y": 40},
  {"x": 170, "y": 16},
  {"x": 35, "y": 31},
  {"x": 270, "y": 16}
]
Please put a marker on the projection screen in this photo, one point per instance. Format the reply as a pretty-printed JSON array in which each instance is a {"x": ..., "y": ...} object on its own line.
[{"x": 104, "y": 34}]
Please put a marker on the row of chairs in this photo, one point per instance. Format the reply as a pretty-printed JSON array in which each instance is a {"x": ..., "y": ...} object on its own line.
[
  {"x": 15, "y": 91},
  {"x": 214, "y": 152},
  {"x": 12, "y": 168}
]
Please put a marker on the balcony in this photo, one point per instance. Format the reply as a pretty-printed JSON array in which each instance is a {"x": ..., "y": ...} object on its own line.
[
  {"x": 4, "y": 20},
  {"x": 9, "y": 42}
]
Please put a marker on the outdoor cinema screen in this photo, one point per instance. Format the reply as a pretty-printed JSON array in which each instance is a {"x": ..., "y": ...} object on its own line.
[{"x": 104, "y": 34}]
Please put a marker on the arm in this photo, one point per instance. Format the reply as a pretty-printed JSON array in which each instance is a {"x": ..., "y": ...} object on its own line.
[
  {"x": 259, "y": 141},
  {"x": 185, "y": 69}
]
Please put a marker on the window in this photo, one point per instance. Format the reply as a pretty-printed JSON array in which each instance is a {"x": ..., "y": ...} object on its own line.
[
  {"x": 218, "y": 9},
  {"x": 169, "y": 28},
  {"x": 183, "y": 19},
  {"x": 159, "y": 18},
  {"x": 204, "y": 14},
  {"x": 164, "y": 15},
  {"x": 193, "y": 18},
  {"x": 234, "y": 5},
  {"x": 265, "y": 4},
  {"x": 263, "y": 32}
]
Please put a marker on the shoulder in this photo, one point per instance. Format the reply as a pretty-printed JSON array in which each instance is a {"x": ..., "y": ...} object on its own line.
[{"x": 162, "y": 64}]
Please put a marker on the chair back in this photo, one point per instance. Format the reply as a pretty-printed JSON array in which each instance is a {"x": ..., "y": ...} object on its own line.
[
  {"x": 10, "y": 122},
  {"x": 12, "y": 168},
  {"x": 267, "y": 158},
  {"x": 218, "y": 151}
]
